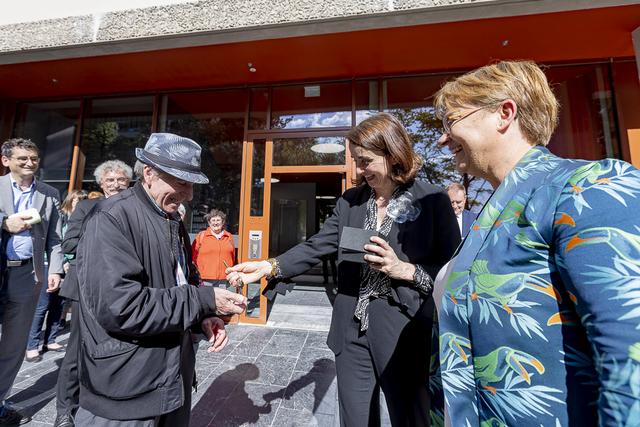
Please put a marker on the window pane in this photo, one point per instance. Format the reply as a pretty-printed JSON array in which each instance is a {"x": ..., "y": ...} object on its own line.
[
  {"x": 311, "y": 106},
  {"x": 586, "y": 128},
  {"x": 113, "y": 128},
  {"x": 52, "y": 126},
  {"x": 308, "y": 151},
  {"x": 409, "y": 99},
  {"x": 215, "y": 120},
  {"x": 258, "y": 112},
  {"x": 257, "y": 178},
  {"x": 367, "y": 99}
]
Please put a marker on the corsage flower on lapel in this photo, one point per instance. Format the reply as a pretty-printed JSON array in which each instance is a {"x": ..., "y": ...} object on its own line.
[{"x": 401, "y": 208}]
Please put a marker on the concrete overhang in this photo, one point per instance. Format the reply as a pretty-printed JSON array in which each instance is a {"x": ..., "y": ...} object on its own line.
[
  {"x": 575, "y": 36},
  {"x": 129, "y": 32}
]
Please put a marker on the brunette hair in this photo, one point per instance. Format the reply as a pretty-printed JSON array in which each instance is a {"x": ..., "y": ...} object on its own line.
[
  {"x": 384, "y": 134},
  {"x": 10, "y": 144},
  {"x": 67, "y": 205}
]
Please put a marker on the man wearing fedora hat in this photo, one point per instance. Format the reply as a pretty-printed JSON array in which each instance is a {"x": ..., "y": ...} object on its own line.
[{"x": 138, "y": 305}]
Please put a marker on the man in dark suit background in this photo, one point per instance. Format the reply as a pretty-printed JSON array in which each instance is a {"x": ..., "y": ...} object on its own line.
[
  {"x": 26, "y": 242},
  {"x": 465, "y": 217},
  {"x": 113, "y": 177}
]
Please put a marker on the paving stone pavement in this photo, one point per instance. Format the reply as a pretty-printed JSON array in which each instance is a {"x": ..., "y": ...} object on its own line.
[
  {"x": 264, "y": 377},
  {"x": 282, "y": 374}
]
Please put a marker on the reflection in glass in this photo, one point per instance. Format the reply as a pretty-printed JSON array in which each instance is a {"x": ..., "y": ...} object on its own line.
[
  {"x": 586, "y": 127},
  {"x": 259, "y": 108},
  {"x": 113, "y": 128},
  {"x": 367, "y": 99},
  {"x": 215, "y": 120},
  {"x": 52, "y": 126},
  {"x": 311, "y": 106},
  {"x": 257, "y": 178},
  {"x": 253, "y": 300},
  {"x": 308, "y": 151}
]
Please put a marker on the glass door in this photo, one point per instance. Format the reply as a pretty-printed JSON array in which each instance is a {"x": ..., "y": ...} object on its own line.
[{"x": 284, "y": 181}]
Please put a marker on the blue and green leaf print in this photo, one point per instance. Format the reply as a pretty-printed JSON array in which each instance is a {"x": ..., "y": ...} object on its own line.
[{"x": 540, "y": 318}]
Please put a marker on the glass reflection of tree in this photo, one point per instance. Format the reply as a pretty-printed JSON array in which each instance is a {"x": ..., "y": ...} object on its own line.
[
  {"x": 114, "y": 139},
  {"x": 439, "y": 165},
  {"x": 221, "y": 142}
]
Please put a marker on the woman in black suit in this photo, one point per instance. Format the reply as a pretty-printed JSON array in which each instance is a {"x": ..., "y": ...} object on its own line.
[{"x": 382, "y": 316}]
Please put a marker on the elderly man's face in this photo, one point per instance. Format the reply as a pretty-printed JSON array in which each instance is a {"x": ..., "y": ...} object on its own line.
[
  {"x": 113, "y": 182},
  {"x": 458, "y": 201},
  {"x": 167, "y": 191}
]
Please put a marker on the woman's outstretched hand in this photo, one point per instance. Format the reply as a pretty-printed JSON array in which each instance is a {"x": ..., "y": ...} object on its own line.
[{"x": 247, "y": 272}]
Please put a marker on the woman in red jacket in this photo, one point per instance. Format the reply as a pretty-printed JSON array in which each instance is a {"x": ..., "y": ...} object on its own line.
[{"x": 213, "y": 247}]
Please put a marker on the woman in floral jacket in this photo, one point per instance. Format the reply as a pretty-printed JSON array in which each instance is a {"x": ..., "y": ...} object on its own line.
[{"x": 540, "y": 311}]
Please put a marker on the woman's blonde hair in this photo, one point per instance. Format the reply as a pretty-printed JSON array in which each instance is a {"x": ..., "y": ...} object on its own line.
[{"x": 522, "y": 81}]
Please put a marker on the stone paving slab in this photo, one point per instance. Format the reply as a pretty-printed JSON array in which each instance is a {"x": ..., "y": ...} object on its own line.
[{"x": 264, "y": 377}]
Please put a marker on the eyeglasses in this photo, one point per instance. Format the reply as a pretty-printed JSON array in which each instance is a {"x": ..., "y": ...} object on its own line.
[
  {"x": 25, "y": 159},
  {"x": 120, "y": 180},
  {"x": 447, "y": 124}
]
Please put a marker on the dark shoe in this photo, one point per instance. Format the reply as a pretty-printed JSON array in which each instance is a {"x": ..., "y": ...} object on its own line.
[
  {"x": 64, "y": 420},
  {"x": 11, "y": 417}
]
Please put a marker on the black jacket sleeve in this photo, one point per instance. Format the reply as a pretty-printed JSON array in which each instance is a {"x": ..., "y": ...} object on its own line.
[
  {"x": 111, "y": 276},
  {"x": 74, "y": 227},
  {"x": 446, "y": 234}
]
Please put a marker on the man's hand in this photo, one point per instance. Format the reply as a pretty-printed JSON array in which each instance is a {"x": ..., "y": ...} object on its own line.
[
  {"x": 213, "y": 328},
  {"x": 229, "y": 302},
  {"x": 53, "y": 283},
  {"x": 16, "y": 223}
]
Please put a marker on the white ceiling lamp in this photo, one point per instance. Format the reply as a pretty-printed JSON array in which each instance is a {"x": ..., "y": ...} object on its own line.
[{"x": 327, "y": 146}]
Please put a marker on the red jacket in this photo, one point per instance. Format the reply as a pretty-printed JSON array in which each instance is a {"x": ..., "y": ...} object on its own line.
[{"x": 209, "y": 253}]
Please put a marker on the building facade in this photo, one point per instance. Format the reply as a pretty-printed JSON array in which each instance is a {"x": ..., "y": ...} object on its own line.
[{"x": 270, "y": 88}]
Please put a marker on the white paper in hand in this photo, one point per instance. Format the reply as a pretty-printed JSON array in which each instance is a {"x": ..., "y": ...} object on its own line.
[{"x": 32, "y": 212}]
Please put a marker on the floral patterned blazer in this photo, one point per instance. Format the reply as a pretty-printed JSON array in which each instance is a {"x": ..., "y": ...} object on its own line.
[{"x": 540, "y": 316}]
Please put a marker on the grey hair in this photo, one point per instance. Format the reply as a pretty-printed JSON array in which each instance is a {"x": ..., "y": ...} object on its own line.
[
  {"x": 112, "y": 166},
  {"x": 26, "y": 144},
  {"x": 456, "y": 186},
  {"x": 138, "y": 169}
]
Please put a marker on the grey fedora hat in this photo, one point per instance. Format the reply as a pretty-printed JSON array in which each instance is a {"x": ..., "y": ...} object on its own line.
[{"x": 175, "y": 155}]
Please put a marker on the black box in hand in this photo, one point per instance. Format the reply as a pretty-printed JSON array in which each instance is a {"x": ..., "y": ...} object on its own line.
[{"x": 352, "y": 243}]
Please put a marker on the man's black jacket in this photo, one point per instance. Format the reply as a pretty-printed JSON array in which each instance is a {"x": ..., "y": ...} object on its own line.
[{"x": 134, "y": 319}]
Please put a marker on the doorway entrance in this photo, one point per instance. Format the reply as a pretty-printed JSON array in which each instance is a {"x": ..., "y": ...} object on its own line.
[{"x": 290, "y": 184}]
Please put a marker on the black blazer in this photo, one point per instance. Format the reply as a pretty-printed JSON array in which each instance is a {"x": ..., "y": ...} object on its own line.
[
  {"x": 430, "y": 241},
  {"x": 69, "y": 288}
]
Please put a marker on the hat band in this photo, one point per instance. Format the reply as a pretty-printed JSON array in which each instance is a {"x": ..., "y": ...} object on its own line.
[{"x": 162, "y": 161}]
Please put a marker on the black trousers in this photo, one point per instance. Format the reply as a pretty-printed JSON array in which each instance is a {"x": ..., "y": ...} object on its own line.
[
  {"x": 68, "y": 386},
  {"x": 392, "y": 355}
]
